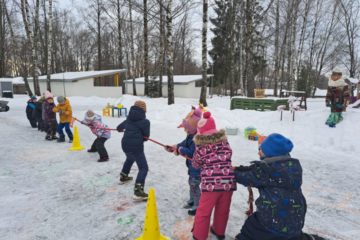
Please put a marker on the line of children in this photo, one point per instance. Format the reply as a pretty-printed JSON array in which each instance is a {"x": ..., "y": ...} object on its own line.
[
  {"x": 102, "y": 133},
  {"x": 65, "y": 111},
  {"x": 187, "y": 148},
  {"x": 137, "y": 131}
]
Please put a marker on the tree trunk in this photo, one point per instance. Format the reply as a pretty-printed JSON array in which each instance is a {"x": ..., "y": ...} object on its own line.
[
  {"x": 35, "y": 50},
  {"x": 276, "y": 53},
  {"x": 169, "y": 43},
  {"x": 146, "y": 50},
  {"x": 162, "y": 48},
  {"x": 2, "y": 39},
  {"x": 132, "y": 48},
  {"x": 49, "y": 48},
  {"x": 204, "y": 82},
  {"x": 119, "y": 40},
  {"x": 99, "y": 10},
  {"x": 249, "y": 10}
]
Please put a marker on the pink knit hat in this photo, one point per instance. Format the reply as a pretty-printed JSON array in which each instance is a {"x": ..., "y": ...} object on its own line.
[
  {"x": 48, "y": 94},
  {"x": 191, "y": 120},
  {"x": 206, "y": 126}
]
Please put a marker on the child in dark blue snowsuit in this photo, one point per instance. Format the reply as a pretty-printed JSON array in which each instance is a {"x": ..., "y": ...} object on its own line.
[
  {"x": 137, "y": 130},
  {"x": 281, "y": 206},
  {"x": 30, "y": 111},
  {"x": 187, "y": 148}
]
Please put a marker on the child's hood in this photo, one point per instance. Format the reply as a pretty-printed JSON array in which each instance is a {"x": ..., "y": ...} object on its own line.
[
  {"x": 136, "y": 114},
  {"x": 210, "y": 139}
]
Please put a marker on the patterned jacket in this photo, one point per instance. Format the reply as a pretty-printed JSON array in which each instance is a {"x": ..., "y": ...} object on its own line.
[
  {"x": 337, "y": 96},
  {"x": 281, "y": 206},
  {"x": 97, "y": 127},
  {"x": 213, "y": 157}
]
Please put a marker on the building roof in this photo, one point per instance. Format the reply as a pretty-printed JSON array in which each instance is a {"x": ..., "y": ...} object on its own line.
[
  {"x": 15, "y": 80},
  {"x": 178, "y": 79},
  {"x": 75, "y": 76}
]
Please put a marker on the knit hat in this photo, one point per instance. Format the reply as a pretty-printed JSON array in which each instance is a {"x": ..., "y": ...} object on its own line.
[
  {"x": 206, "y": 125},
  {"x": 33, "y": 97},
  {"x": 337, "y": 71},
  {"x": 60, "y": 99},
  {"x": 140, "y": 104},
  {"x": 89, "y": 115},
  {"x": 48, "y": 94},
  {"x": 191, "y": 120},
  {"x": 276, "y": 145}
]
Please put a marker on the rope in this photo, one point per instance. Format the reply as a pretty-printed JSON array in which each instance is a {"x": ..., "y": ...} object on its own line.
[
  {"x": 109, "y": 129},
  {"x": 250, "y": 211}
]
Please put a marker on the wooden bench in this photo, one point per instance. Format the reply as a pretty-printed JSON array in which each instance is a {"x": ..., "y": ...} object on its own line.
[{"x": 257, "y": 104}]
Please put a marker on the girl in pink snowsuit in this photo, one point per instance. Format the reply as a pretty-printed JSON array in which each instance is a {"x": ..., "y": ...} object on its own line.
[{"x": 213, "y": 157}]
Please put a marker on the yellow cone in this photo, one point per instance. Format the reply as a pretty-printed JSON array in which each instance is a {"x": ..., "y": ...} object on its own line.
[
  {"x": 151, "y": 225},
  {"x": 76, "y": 146}
]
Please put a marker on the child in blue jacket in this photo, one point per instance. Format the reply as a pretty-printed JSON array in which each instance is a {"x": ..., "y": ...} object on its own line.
[
  {"x": 187, "y": 148},
  {"x": 281, "y": 206}
]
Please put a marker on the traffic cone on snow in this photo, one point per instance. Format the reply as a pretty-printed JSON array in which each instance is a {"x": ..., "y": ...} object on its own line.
[
  {"x": 151, "y": 225},
  {"x": 76, "y": 146}
]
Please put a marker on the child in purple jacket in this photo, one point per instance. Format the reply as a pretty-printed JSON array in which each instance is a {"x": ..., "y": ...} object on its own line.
[
  {"x": 93, "y": 121},
  {"x": 213, "y": 157},
  {"x": 49, "y": 116}
]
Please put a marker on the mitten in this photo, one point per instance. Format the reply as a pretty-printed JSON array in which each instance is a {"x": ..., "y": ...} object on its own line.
[{"x": 169, "y": 148}]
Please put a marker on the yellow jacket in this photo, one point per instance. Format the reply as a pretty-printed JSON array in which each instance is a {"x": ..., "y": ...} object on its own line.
[{"x": 65, "y": 111}]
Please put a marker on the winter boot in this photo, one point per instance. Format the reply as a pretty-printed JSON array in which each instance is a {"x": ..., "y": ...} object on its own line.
[
  {"x": 188, "y": 205},
  {"x": 54, "y": 137},
  {"x": 192, "y": 212},
  {"x": 48, "y": 138},
  {"x": 306, "y": 236},
  {"x": 139, "y": 193},
  {"x": 103, "y": 159},
  {"x": 70, "y": 140},
  {"x": 218, "y": 237},
  {"x": 124, "y": 178},
  {"x": 91, "y": 150},
  {"x": 61, "y": 139}
]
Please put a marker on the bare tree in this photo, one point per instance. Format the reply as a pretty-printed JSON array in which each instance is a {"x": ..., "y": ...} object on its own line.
[
  {"x": 146, "y": 49},
  {"x": 132, "y": 48},
  {"x": 169, "y": 44},
  {"x": 204, "y": 82},
  {"x": 49, "y": 47},
  {"x": 2, "y": 38}
]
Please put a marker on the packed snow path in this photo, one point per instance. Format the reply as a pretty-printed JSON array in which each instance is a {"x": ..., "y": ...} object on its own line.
[{"x": 48, "y": 192}]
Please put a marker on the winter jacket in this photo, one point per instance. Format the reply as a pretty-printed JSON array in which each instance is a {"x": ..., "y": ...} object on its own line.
[
  {"x": 213, "y": 157},
  {"x": 65, "y": 111},
  {"x": 187, "y": 148},
  {"x": 97, "y": 127},
  {"x": 281, "y": 206},
  {"x": 48, "y": 113},
  {"x": 38, "y": 110},
  {"x": 137, "y": 130},
  {"x": 30, "y": 110},
  {"x": 337, "y": 95}
]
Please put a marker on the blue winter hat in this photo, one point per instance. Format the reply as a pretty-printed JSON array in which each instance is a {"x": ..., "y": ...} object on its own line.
[{"x": 276, "y": 145}]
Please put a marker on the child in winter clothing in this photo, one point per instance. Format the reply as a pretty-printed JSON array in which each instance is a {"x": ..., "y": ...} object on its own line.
[
  {"x": 49, "y": 116},
  {"x": 281, "y": 206},
  {"x": 213, "y": 157},
  {"x": 337, "y": 97},
  {"x": 137, "y": 130},
  {"x": 93, "y": 121},
  {"x": 65, "y": 112},
  {"x": 39, "y": 115},
  {"x": 30, "y": 111},
  {"x": 187, "y": 148}
]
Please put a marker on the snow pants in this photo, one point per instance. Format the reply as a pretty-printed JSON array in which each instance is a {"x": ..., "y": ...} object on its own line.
[
  {"x": 254, "y": 230},
  {"x": 140, "y": 159},
  {"x": 99, "y": 146},
  {"x": 60, "y": 128},
  {"x": 195, "y": 192},
  {"x": 221, "y": 201}
]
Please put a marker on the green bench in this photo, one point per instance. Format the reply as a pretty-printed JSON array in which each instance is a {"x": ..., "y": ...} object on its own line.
[{"x": 258, "y": 104}]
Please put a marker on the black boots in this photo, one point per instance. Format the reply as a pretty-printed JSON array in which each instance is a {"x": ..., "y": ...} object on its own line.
[
  {"x": 61, "y": 139},
  {"x": 139, "y": 193},
  {"x": 218, "y": 237},
  {"x": 124, "y": 178}
]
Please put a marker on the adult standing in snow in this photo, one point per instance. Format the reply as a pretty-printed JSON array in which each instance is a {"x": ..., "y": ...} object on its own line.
[
  {"x": 337, "y": 97},
  {"x": 137, "y": 131},
  {"x": 30, "y": 111},
  {"x": 65, "y": 112},
  {"x": 93, "y": 121}
]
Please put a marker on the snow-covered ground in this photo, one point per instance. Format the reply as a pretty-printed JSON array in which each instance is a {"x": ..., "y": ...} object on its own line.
[{"x": 48, "y": 192}]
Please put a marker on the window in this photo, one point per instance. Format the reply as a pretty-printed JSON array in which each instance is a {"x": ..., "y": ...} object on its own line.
[{"x": 108, "y": 81}]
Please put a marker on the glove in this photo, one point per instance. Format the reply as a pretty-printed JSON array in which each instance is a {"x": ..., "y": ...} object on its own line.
[
  {"x": 242, "y": 168},
  {"x": 169, "y": 149}
]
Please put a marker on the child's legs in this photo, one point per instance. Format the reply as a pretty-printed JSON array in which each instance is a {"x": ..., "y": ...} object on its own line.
[
  {"x": 142, "y": 166},
  {"x": 93, "y": 145},
  {"x": 60, "y": 130},
  {"x": 130, "y": 159},
  {"x": 191, "y": 200},
  {"x": 68, "y": 130},
  {"x": 195, "y": 191},
  {"x": 101, "y": 148},
  {"x": 203, "y": 215},
  {"x": 221, "y": 214}
]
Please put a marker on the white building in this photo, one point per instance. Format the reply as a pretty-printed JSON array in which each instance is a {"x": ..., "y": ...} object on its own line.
[
  {"x": 185, "y": 86},
  {"x": 106, "y": 83}
]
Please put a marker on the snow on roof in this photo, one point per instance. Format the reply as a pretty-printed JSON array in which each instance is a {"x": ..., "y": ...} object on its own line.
[
  {"x": 74, "y": 76},
  {"x": 15, "y": 80},
  {"x": 353, "y": 80},
  {"x": 178, "y": 79}
]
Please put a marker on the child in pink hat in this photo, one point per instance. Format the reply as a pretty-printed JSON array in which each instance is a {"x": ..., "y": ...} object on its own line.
[{"x": 213, "y": 157}]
